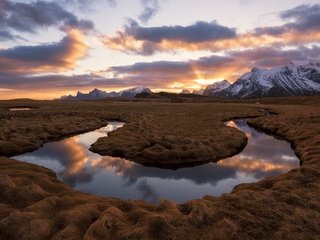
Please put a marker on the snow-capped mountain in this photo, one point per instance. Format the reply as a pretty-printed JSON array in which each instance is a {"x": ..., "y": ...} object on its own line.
[
  {"x": 98, "y": 94},
  {"x": 297, "y": 79},
  {"x": 216, "y": 87},
  {"x": 131, "y": 92},
  {"x": 198, "y": 92},
  {"x": 185, "y": 91},
  {"x": 195, "y": 92}
]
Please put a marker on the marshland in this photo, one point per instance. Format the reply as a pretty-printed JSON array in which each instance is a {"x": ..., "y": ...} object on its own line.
[
  {"x": 159, "y": 120},
  {"x": 159, "y": 141}
]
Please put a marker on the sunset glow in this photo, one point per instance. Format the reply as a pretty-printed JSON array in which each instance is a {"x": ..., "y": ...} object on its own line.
[
  {"x": 202, "y": 81},
  {"x": 67, "y": 46}
]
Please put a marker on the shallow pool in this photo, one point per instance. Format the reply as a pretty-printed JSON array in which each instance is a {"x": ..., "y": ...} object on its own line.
[
  {"x": 74, "y": 164},
  {"x": 19, "y": 109}
]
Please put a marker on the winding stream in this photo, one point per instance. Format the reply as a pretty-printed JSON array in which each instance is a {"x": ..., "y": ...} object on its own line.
[
  {"x": 20, "y": 109},
  {"x": 74, "y": 164}
]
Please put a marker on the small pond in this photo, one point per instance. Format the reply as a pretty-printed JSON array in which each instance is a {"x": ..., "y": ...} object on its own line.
[
  {"x": 20, "y": 109},
  {"x": 74, "y": 164}
]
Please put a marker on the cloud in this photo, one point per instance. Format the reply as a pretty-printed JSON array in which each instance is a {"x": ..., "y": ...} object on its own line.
[
  {"x": 306, "y": 17},
  {"x": 302, "y": 28},
  {"x": 162, "y": 74},
  {"x": 134, "y": 173},
  {"x": 57, "y": 82},
  {"x": 86, "y": 5},
  {"x": 150, "y": 9},
  {"x": 6, "y": 35},
  {"x": 147, "y": 40},
  {"x": 231, "y": 66},
  {"x": 45, "y": 58},
  {"x": 198, "y": 32},
  {"x": 147, "y": 191},
  {"x": 269, "y": 57},
  {"x": 72, "y": 158},
  {"x": 112, "y": 3},
  {"x": 262, "y": 47},
  {"x": 28, "y": 17}
]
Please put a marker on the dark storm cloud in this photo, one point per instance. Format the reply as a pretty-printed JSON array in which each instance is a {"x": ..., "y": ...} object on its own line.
[
  {"x": 28, "y": 17},
  {"x": 198, "y": 32},
  {"x": 150, "y": 9}
]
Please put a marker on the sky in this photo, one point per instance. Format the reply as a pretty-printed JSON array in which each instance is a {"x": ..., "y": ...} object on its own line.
[{"x": 54, "y": 48}]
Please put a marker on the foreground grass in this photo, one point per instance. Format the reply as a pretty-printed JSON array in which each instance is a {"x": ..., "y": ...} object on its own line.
[{"x": 35, "y": 205}]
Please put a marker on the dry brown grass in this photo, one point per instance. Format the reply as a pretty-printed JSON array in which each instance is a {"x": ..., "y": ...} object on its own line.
[
  {"x": 172, "y": 135},
  {"x": 35, "y": 205}
]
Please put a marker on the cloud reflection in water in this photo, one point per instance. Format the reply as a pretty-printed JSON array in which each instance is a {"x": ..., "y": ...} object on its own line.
[{"x": 77, "y": 166}]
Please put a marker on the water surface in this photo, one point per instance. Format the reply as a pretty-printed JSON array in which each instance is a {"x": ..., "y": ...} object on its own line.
[
  {"x": 108, "y": 176},
  {"x": 19, "y": 109}
]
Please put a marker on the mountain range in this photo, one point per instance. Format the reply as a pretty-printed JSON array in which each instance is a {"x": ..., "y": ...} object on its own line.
[
  {"x": 99, "y": 94},
  {"x": 297, "y": 79}
]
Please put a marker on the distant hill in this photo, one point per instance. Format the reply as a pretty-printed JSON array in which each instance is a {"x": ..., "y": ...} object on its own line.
[
  {"x": 168, "y": 95},
  {"x": 100, "y": 94},
  {"x": 178, "y": 97}
]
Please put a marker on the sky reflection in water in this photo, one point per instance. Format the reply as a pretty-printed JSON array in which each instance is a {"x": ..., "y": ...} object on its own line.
[
  {"x": 19, "y": 109},
  {"x": 86, "y": 171}
]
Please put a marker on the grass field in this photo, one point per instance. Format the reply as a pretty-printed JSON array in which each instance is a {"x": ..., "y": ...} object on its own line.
[{"x": 162, "y": 133}]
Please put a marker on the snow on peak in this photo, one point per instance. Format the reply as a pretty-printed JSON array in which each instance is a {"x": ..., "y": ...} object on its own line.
[
  {"x": 185, "y": 91},
  {"x": 138, "y": 89},
  {"x": 298, "y": 78},
  {"x": 96, "y": 91},
  {"x": 98, "y": 94},
  {"x": 216, "y": 87},
  {"x": 219, "y": 85},
  {"x": 299, "y": 62}
]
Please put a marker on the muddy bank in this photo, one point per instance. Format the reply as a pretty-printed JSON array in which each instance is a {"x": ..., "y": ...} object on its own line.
[{"x": 284, "y": 207}]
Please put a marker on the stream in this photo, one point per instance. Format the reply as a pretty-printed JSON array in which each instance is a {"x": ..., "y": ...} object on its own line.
[{"x": 264, "y": 156}]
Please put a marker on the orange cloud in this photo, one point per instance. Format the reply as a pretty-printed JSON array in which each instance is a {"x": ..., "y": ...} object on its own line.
[
  {"x": 55, "y": 57},
  {"x": 79, "y": 156},
  {"x": 301, "y": 27},
  {"x": 127, "y": 43},
  {"x": 256, "y": 165}
]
